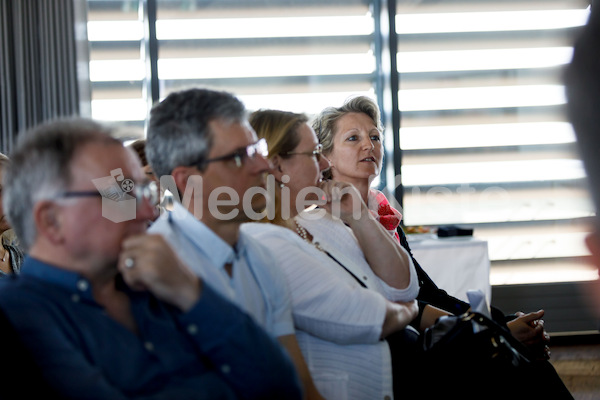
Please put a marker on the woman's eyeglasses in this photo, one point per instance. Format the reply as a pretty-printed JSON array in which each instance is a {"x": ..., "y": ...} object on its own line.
[{"x": 317, "y": 152}]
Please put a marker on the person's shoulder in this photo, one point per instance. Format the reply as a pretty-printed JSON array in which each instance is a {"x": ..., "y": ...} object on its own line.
[
  {"x": 262, "y": 245},
  {"x": 323, "y": 226},
  {"x": 258, "y": 230},
  {"x": 21, "y": 293},
  {"x": 259, "y": 237},
  {"x": 268, "y": 239}
]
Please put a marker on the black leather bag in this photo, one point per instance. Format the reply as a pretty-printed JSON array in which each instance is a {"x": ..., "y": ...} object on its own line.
[
  {"x": 477, "y": 339},
  {"x": 473, "y": 357}
]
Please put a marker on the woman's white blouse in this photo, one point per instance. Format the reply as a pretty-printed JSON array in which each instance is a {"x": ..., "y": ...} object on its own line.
[
  {"x": 339, "y": 240},
  {"x": 338, "y": 322}
]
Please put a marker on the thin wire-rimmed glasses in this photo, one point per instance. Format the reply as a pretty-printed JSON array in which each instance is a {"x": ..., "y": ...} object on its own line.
[
  {"x": 142, "y": 191},
  {"x": 317, "y": 152},
  {"x": 251, "y": 151}
]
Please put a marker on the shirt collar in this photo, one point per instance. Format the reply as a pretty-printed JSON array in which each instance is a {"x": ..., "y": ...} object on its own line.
[
  {"x": 57, "y": 276},
  {"x": 209, "y": 243}
]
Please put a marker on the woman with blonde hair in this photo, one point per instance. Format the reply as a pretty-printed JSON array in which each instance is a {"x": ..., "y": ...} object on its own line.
[
  {"x": 352, "y": 285},
  {"x": 351, "y": 136}
]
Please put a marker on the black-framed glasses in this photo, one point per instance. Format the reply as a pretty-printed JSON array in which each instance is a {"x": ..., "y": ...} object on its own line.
[
  {"x": 317, "y": 152},
  {"x": 141, "y": 191},
  {"x": 249, "y": 152}
]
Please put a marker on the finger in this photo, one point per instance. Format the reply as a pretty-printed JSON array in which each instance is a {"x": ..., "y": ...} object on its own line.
[
  {"x": 546, "y": 337},
  {"x": 133, "y": 280},
  {"x": 132, "y": 270},
  {"x": 127, "y": 262},
  {"x": 142, "y": 240},
  {"x": 528, "y": 318},
  {"x": 133, "y": 241}
]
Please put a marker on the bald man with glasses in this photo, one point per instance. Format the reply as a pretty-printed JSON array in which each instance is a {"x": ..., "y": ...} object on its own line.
[{"x": 200, "y": 141}]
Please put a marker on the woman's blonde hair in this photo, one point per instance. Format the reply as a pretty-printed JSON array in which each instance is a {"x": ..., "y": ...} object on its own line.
[{"x": 280, "y": 130}]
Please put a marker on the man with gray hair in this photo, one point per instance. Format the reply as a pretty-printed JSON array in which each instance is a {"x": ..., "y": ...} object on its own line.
[
  {"x": 204, "y": 150},
  {"x": 106, "y": 310}
]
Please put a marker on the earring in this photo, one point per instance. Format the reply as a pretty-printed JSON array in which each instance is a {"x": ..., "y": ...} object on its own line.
[{"x": 284, "y": 179}]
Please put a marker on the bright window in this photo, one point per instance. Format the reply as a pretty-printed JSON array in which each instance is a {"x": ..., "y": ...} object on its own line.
[{"x": 483, "y": 138}]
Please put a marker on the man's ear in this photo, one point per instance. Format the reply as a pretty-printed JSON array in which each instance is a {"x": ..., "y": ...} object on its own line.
[
  {"x": 47, "y": 216},
  {"x": 181, "y": 176}
]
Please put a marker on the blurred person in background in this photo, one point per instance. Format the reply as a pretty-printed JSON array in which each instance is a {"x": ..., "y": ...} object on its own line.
[
  {"x": 582, "y": 80},
  {"x": 11, "y": 254}
]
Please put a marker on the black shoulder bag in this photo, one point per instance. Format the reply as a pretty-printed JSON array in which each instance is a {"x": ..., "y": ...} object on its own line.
[{"x": 469, "y": 356}]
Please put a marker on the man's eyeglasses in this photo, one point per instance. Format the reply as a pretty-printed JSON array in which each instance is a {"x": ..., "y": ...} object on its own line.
[
  {"x": 317, "y": 152},
  {"x": 251, "y": 151},
  {"x": 148, "y": 191}
]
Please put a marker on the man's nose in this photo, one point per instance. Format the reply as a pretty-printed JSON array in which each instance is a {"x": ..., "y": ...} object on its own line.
[
  {"x": 324, "y": 163},
  {"x": 145, "y": 210},
  {"x": 260, "y": 163}
]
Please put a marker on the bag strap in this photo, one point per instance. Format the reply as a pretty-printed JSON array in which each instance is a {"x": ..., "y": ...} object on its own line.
[{"x": 347, "y": 270}]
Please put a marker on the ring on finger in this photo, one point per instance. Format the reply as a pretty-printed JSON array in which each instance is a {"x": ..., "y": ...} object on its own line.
[{"x": 129, "y": 262}]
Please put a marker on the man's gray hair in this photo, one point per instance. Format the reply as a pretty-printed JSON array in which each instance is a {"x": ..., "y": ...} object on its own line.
[
  {"x": 178, "y": 132},
  {"x": 40, "y": 168},
  {"x": 4, "y": 161}
]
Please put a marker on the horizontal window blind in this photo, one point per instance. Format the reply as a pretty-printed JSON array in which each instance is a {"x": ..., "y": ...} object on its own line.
[
  {"x": 294, "y": 55},
  {"x": 484, "y": 138},
  {"x": 117, "y": 62},
  {"x": 483, "y": 134}
]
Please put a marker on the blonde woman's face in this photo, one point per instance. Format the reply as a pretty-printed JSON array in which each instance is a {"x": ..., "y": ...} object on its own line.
[
  {"x": 303, "y": 170},
  {"x": 357, "y": 149}
]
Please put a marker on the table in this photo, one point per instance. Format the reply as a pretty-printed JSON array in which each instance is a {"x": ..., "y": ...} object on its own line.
[{"x": 455, "y": 264}]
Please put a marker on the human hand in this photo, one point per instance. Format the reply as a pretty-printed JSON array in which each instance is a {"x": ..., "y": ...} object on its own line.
[
  {"x": 398, "y": 315},
  {"x": 147, "y": 262},
  {"x": 411, "y": 308},
  {"x": 529, "y": 330},
  {"x": 343, "y": 201}
]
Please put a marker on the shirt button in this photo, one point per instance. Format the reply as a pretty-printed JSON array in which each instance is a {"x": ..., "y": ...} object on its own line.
[
  {"x": 75, "y": 298},
  {"x": 192, "y": 329},
  {"x": 225, "y": 368},
  {"x": 364, "y": 278},
  {"x": 149, "y": 346},
  {"x": 82, "y": 285}
]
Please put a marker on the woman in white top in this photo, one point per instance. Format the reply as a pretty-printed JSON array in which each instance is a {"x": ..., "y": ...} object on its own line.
[
  {"x": 351, "y": 283},
  {"x": 351, "y": 140}
]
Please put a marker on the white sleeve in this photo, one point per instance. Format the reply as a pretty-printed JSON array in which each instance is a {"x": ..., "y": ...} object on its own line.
[
  {"x": 409, "y": 293},
  {"x": 274, "y": 284}
]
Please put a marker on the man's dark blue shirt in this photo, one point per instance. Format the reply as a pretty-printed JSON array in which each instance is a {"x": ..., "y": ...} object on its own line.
[{"x": 212, "y": 351}]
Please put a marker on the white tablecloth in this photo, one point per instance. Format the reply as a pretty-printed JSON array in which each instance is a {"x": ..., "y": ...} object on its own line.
[{"x": 455, "y": 264}]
